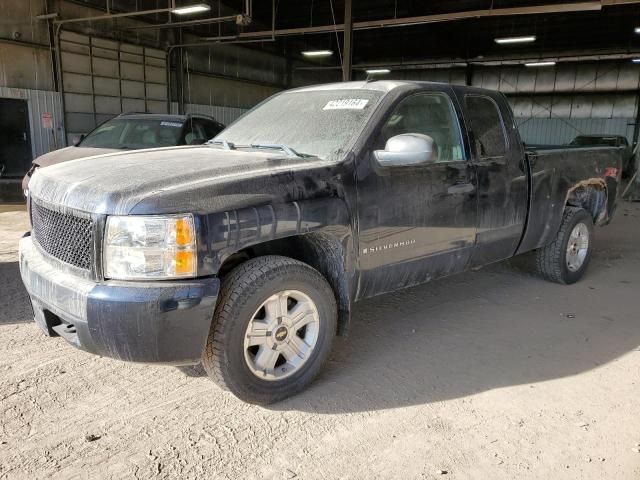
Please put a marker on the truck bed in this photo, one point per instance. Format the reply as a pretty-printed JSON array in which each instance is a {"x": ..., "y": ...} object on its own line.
[{"x": 557, "y": 173}]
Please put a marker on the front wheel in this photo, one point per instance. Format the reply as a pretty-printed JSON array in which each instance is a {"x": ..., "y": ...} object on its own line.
[
  {"x": 272, "y": 329},
  {"x": 566, "y": 258}
]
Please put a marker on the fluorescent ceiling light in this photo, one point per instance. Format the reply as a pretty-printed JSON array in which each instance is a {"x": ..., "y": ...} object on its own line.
[
  {"x": 187, "y": 9},
  {"x": 525, "y": 39},
  {"x": 635, "y": 60},
  {"x": 317, "y": 53},
  {"x": 637, "y": 30},
  {"x": 371, "y": 71},
  {"x": 540, "y": 64}
]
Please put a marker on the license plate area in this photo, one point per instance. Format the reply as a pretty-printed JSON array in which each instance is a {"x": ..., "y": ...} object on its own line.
[
  {"x": 46, "y": 319},
  {"x": 52, "y": 325}
]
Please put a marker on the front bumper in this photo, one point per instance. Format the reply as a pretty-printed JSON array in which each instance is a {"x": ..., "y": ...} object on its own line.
[{"x": 165, "y": 322}]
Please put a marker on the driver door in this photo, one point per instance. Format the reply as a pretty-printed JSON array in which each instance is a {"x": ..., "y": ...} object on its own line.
[{"x": 416, "y": 222}]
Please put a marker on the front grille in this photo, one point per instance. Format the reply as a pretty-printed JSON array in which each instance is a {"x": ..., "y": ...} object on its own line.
[{"x": 63, "y": 236}]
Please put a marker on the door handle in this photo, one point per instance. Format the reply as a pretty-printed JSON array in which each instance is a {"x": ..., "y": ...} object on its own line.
[{"x": 460, "y": 188}]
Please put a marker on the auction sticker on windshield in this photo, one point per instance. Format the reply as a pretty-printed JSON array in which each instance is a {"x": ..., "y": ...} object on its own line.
[
  {"x": 171, "y": 124},
  {"x": 346, "y": 104}
]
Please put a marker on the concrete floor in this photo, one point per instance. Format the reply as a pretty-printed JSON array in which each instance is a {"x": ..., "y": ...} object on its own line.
[{"x": 489, "y": 374}]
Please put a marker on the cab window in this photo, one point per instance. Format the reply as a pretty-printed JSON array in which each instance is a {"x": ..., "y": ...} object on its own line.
[
  {"x": 196, "y": 134},
  {"x": 486, "y": 125},
  {"x": 212, "y": 128},
  {"x": 429, "y": 114}
]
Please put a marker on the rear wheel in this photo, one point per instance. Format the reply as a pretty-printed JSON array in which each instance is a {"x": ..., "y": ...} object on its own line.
[
  {"x": 272, "y": 329},
  {"x": 566, "y": 258}
]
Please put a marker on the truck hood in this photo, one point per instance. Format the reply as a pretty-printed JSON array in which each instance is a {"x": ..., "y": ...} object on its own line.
[
  {"x": 70, "y": 153},
  {"x": 167, "y": 180}
]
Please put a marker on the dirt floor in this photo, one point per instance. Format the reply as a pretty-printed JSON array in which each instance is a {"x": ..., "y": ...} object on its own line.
[{"x": 489, "y": 374}]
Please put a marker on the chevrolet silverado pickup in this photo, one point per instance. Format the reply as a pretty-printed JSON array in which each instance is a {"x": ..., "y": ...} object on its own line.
[{"x": 249, "y": 253}]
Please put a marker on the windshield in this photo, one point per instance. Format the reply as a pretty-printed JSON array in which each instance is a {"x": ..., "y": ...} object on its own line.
[
  {"x": 320, "y": 123},
  {"x": 123, "y": 133}
]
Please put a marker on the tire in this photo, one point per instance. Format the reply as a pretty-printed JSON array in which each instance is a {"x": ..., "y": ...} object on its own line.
[
  {"x": 554, "y": 262},
  {"x": 248, "y": 296}
]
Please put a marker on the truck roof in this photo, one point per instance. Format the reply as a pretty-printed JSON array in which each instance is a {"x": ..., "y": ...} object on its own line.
[
  {"x": 599, "y": 135},
  {"x": 163, "y": 116},
  {"x": 376, "y": 85},
  {"x": 379, "y": 85}
]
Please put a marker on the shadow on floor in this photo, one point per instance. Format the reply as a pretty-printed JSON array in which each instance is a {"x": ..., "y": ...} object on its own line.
[
  {"x": 14, "y": 301},
  {"x": 455, "y": 337},
  {"x": 476, "y": 332}
]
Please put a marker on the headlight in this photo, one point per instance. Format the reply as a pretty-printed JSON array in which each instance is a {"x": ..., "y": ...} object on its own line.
[{"x": 150, "y": 247}]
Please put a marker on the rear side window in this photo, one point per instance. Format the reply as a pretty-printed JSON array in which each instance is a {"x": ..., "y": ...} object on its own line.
[{"x": 486, "y": 125}]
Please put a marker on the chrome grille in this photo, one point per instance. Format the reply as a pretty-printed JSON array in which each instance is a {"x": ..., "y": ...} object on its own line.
[{"x": 63, "y": 236}]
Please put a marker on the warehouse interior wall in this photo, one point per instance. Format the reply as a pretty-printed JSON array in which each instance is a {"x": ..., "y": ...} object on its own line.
[
  {"x": 552, "y": 105},
  {"x": 103, "y": 72},
  {"x": 112, "y": 67}
]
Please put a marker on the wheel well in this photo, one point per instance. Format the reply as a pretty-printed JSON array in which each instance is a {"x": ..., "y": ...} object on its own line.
[
  {"x": 321, "y": 251},
  {"x": 590, "y": 195}
]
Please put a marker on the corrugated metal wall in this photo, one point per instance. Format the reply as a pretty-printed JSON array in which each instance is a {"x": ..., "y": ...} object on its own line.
[
  {"x": 606, "y": 77},
  {"x": 203, "y": 89},
  {"x": 553, "y": 105},
  {"x": 102, "y": 78},
  {"x": 226, "y": 115},
  {"x": 43, "y": 139},
  {"x": 236, "y": 62},
  {"x": 231, "y": 76},
  {"x": 559, "y": 131}
]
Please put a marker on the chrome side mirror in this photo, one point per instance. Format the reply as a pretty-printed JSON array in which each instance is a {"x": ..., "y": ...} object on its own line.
[{"x": 407, "y": 149}]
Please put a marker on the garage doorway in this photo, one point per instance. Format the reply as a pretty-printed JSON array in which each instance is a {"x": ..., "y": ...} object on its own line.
[
  {"x": 15, "y": 138},
  {"x": 102, "y": 78}
]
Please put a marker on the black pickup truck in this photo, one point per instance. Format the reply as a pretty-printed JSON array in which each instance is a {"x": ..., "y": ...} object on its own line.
[{"x": 248, "y": 254}]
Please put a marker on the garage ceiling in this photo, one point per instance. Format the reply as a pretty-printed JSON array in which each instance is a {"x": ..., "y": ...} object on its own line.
[{"x": 596, "y": 26}]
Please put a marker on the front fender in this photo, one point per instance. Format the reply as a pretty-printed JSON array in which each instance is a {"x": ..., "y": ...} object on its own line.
[{"x": 225, "y": 233}]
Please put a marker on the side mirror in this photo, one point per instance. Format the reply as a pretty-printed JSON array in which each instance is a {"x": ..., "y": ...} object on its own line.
[
  {"x": 77, "y": 140},
  {"x": 407, "y": 149}
]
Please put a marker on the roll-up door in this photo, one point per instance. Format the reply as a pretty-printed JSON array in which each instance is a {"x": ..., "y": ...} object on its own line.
[{"x": 103, "y": 78}]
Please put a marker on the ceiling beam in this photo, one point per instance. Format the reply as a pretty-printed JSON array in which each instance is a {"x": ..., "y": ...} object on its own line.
[
  {"x": 443, "y": 17},
  {"x": 187, "y": 23},
  {"x": 111, "y": 16},
  {"x": 520, "y": 60},
  {"x": 423, "y": 19},
  {"x": 347, "y": 53}
]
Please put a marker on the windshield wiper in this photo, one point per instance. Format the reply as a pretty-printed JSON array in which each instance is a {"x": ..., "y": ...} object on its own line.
[
  {"x": 290, "y": 152},
  {"x": 226, "y": 145}
]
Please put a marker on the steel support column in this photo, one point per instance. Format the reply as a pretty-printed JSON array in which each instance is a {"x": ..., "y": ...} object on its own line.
[
  {"x": 348, "y": 42},
  {"x": 179, "y": 65},
  {"x": 636, "y": 125}
]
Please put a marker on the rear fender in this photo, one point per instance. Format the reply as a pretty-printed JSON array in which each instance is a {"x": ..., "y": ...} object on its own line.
[{"x": 592, "y": 195}]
